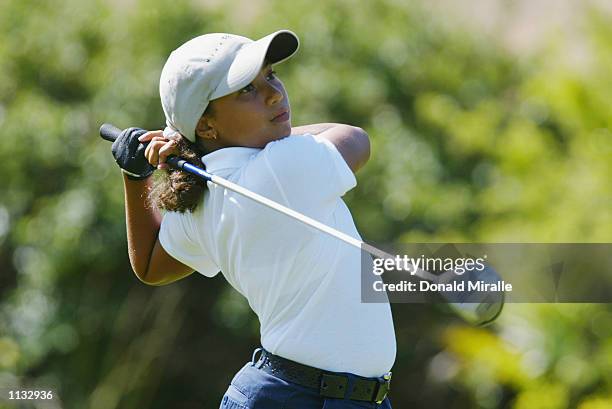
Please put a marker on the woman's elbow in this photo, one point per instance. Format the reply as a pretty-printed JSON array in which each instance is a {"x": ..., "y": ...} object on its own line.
[
  {"x": 149, "y": 280},
  {"x": 142, "y": 276},
  {"x": 140, "y": 268},
  {"x": 362, "y": 141}
]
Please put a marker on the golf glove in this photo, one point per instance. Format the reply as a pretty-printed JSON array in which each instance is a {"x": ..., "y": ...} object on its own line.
[{"x": 129, "y": 154}]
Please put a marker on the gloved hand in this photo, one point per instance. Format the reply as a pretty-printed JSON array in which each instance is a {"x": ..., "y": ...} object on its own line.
[{"x": 129, "y": 154}]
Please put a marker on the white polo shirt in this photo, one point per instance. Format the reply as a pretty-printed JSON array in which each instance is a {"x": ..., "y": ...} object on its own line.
[{"x": 303, "y": 285}]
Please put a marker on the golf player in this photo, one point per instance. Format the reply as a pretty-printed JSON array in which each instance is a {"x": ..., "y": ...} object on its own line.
[{"x": 226, "y": 110}]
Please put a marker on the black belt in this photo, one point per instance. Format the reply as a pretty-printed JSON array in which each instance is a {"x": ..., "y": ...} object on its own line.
[{"x": 329, "y": 384}]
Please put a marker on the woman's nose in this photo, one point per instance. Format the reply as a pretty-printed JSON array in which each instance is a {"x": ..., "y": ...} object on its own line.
[{"x": 275, "y": 95}]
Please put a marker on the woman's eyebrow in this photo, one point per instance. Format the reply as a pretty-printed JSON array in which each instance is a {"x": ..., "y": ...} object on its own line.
[{"x": 266, "y": 67}]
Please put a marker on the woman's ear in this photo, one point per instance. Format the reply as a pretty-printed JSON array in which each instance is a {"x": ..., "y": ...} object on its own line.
[{"x": 205, "y": 128}]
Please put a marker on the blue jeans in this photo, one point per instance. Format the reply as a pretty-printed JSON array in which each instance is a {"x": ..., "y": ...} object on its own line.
[{"x": 253, "y": 388}]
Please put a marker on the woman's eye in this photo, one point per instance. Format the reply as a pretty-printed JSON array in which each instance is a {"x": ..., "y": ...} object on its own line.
[
  {"x": 271, "y": 75},
  {"x": 247, "y": 89}
]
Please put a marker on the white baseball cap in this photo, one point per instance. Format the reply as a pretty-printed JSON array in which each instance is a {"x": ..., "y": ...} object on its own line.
[{"x": 211, "y": 66}]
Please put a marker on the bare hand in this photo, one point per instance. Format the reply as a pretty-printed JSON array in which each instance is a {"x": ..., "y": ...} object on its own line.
[{"x": 159, "y": 148}]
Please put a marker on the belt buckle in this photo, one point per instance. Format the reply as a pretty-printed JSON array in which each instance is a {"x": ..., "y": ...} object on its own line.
[
  {"x": 257, "y": 351},
  {"x": 384, "y": 386}
]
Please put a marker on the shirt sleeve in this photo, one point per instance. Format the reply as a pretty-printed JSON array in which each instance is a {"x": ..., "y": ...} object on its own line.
[
  {"x": 308, "y": 170},
  {"x": 177, "y": 237}
]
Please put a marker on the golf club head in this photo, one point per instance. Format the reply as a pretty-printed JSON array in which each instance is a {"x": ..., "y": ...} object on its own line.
[
  {"x": 480, "y": 313},
  {"x": 477, "y": 307}
]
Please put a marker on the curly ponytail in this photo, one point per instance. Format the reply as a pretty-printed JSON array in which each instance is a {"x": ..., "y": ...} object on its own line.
[{"x": 179, "y": 191}]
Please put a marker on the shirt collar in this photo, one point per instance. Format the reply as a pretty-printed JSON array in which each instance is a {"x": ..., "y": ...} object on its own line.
[{"x": 228, "y": 158}]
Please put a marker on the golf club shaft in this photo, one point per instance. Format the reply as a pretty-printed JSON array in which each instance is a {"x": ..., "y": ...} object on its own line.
[
  {"x": 469, "y": 311},
  {"x": 111, "y": 132}
]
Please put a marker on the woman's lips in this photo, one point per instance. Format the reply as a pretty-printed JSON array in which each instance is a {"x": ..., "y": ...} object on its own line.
[{"x": 282, "y": 117}]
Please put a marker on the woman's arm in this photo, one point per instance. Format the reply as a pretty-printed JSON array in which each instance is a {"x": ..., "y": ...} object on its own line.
[
  {"x": 352, "y": 142},
  {"x": 151, "y": 263},
  {"x": 148, "y": 258},
  {"x": 142, "y": 224},
  {"x": 313, "y": 129}
]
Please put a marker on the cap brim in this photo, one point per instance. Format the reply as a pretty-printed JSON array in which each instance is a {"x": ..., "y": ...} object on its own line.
[{"x": 275, "y": 48}]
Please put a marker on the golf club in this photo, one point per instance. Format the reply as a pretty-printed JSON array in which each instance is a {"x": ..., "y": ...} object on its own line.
[{"x": 474, "y": 310}]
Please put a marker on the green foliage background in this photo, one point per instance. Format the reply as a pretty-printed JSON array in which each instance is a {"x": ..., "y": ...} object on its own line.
[{"x": 470, "y": 143}]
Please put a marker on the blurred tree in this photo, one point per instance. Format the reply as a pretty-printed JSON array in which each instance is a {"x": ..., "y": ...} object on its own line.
[{"x": 469, "y": 144}]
